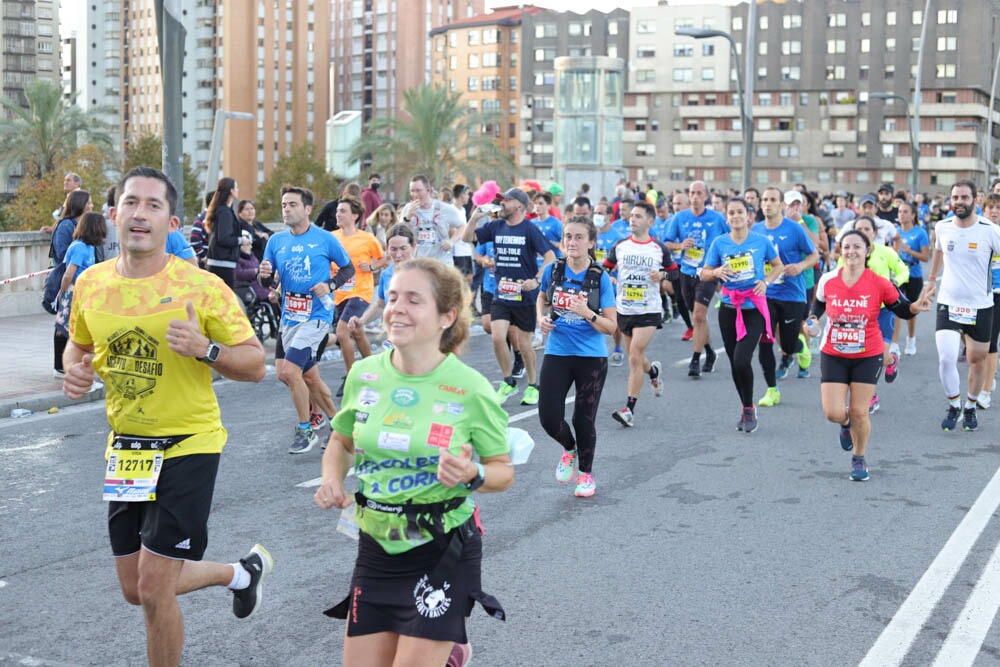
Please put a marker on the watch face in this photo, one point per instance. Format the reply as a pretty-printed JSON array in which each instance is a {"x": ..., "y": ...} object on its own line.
[{"x": 213, "y": 352}]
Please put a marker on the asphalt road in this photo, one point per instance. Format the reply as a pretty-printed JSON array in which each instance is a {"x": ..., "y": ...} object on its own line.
[{"x": 703, "y": 546}]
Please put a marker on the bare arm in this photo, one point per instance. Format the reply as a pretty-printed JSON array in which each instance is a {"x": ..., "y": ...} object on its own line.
[{"x": 337, "y": 461}]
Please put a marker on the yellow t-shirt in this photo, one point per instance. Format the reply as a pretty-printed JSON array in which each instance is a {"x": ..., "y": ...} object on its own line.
[
  {"x": 362, "y": 247},
  {"x": 151, "y": 390}
]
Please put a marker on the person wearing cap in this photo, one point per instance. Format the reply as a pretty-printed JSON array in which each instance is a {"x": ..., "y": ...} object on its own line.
[
  {"x": 886, "y": 210},
  {"x": 556, "y": 192},
  {"x": 516, "y": 244},
  {"x": 437, "y": 225},
  {"x": 885, "y": 231},
  {"x": 691, "y": 233}
]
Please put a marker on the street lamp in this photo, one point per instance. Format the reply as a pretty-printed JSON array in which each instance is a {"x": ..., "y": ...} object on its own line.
[
  {"x": 215, "y": 153},
  {"x": 914, "y": 147},
  {"x": 746, "y": 112}
]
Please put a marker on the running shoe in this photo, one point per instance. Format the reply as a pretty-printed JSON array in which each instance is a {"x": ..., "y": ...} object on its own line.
[
  {"x": 58, "y": 374},
  {"x": 873, "y": 406},
  {"x": 846, "y": 441},
  {"x": 771, "y": 398},
  {"x": 985, "y": 399},
  {"x": 710, "y": 357},
  {"x": 783, "y": 367},
  {"x": 530, "y": 396},
  {"x": 805, "y": 355},
  {"x": 911, "y": 347},
  {"x": 803, "y": 373},
  {"x": 624, "y": 417},
  {"x": 460, "y": 655},
  {"x": 518, "y": 370},
  {"x": 694, "y": 369},
  {"x": 894, "y": 349},
  {"x": 657, "y": 381},
  {"x": 505, "y": 390},
  {"x": 969, "y": 420},
  {"x": 688, "y": 335},
  {"x": 316, "y": 421},
  {"x": 892, "y": 370},
  {"x": 259, "y": 564},
  {"x": 617, "y": 358},
  {"x": 566, "y": 467},
  {"x": 950, "y": 420},
  {"x": 304, "y": 440},
  {"x": 585, "y": 486},
  {"x": 340, "y": 389},
  {"x": 749, "y": 419},
  {"x": 859, "y": 469},
  {"x": 537, "y": 340}
]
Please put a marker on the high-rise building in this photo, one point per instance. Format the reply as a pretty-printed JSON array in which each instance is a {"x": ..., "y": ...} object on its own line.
[
  {"x": 381, "y": 48},
  {"x": 544, "y": 37},
  {"x": 31, "y": 51},
  {"x": 480, "y": 58},
  {"x": 816, "y": 67},
  {"x": 259, "y": 57}
]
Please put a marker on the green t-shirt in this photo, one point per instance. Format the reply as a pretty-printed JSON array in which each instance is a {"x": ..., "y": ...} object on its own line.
[
  {"x": 399, "y": 423},
  {"x": 813, "y": 226}
]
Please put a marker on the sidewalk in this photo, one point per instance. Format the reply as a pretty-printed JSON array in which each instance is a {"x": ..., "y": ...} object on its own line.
[{"x": 26, "y": 366}]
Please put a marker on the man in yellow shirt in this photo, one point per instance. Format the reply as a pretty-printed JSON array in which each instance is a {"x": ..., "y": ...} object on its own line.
[{"x": 153, "y": 327}]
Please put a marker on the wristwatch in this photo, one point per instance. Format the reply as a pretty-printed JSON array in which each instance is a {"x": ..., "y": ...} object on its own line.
[
  {"x": 477, "y": 481},
  {"x": 593, "y": 318},
  {"x": 212, "y": 354}
]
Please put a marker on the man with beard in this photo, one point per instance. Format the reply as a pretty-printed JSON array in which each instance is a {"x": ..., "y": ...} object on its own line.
[{"x": 965, "y": 246}]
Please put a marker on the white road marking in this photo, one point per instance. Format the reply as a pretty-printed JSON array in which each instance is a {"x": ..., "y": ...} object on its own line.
[
  {"x": 309, "y": 483},
  {"x": 969, "y": 630},
  {"x": 28, "y": 448},
  {"x": 894, "y": 643}
]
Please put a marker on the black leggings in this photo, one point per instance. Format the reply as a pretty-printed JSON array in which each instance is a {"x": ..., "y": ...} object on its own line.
[
  {"x": 227, "y": 273},
  {"x": 58, "y": 347},
  {"x": 786, "y": 322},
  {"x": 740, "y": 353},
  {"x": 554, "y": 381},
  {"x": 678, "y": 300}
]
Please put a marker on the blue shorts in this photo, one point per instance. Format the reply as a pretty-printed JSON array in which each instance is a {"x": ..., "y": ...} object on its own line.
[
  {"x": 353, "y": 307},
  {"x": 886, "y": 322}
]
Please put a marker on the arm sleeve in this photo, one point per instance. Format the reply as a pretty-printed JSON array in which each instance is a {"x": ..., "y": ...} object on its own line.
[{"x": 899, "y": 304}]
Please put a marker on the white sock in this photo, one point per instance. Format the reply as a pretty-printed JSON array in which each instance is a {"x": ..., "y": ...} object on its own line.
[
  {"x": 241, "y": 578},
  {"x": 911, "y": 341}
]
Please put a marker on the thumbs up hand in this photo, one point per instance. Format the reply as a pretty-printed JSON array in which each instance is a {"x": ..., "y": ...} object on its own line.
[
  {"x": 79, "y": 377},
  {"x": 456, "y": 469},
  {"x": 185, "y": 337}
]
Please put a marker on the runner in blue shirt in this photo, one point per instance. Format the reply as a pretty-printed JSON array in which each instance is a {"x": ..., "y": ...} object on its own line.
[
  {"x": 914, "y": 248},
  {"x": 689, "y": 236},
  {"x": 548, "y": 225},
  {"x": 607, "y": 237},
  {"x": 786, "y": 297},
  {"x": 300, "y": 257}
]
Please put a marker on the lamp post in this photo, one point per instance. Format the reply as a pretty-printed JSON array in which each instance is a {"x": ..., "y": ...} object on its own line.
[
  {"x": 215, "y": 153},
  {"x": 746, "y": 109},
  {"x": 914, "y": 147}
]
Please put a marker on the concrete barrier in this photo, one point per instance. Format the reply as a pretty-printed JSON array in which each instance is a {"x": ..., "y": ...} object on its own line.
[{"x": 22, "y": 254}]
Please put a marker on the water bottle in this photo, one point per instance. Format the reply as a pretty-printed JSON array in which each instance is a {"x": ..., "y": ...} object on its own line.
[
  {"x": 21, "y": 412},
  {"x": 812, "y": 325},
  {"x": 327, "y": 301},
  {"x": 521, "y": 444},
  {"x": 490, "y": 208},
  {"x": 347, "y": 523}
]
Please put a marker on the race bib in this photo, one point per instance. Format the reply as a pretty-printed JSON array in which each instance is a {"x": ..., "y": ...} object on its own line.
[
  {"x": 508, "y": 290},
  {"x": 347, "y": 287},
  {"x": 634, "y": 294},
  {"x": 694, "y": 256},
  {"x": 562, "y": 300},
  {"x": 742, "y": 267},
  {"x": 962, "y": 315},
  {"x": 767, "y": 271},
  {"x": 426, "y": 236},
  {"x": 599, "y": 254},
  {"x": 847, "y": 337},
  {"x": 298, "y": 306},
  {"x": 133, "y": 470}
]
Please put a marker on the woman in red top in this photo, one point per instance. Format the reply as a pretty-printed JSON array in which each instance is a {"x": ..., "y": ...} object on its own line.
[{"x": 852, "y": 348}]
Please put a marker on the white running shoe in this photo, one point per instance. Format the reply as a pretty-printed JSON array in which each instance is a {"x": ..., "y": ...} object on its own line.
[{"x": 911, "y": 347}]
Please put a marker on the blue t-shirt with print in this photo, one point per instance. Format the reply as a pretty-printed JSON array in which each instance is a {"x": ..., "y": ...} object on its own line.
[
  {"x": 793, "y": 244},
  {"x": 574, "y": 336},
  {"x": 383, "y": 281},
  {"x": 606, "y": 241},
  {"x": 299, "y": 263},
  {"x": 489, "y": 275},
  {"x": 552, "y": 230},
  {"x": 704, "y": 229},
  {"x": 746, "y": 259},
  {"x": 516, "y": 247},
  {"x": 659, "y": 229},
  {"x": 178, "y": 246},
  {"x": 917, "y": 239},
  {"x": 80, "y": 255}
]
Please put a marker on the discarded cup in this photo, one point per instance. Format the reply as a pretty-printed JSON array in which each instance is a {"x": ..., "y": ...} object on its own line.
[
  {"x": 21, "y": 412},
  {"x": 347, "y": 524},
  {"x": 520, "y": 444}
]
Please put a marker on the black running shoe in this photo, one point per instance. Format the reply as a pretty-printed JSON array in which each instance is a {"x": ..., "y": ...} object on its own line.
[
  {"x": 259, "y": 564},
  {"x": 694, "y": 370},
  {"x": 710, "y": 357}
]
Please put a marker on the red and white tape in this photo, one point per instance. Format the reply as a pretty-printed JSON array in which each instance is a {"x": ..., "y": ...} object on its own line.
[{"x": 7, "y": 281}]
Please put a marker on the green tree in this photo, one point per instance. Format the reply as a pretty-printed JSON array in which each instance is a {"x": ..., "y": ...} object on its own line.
[
  {"x": 38, "y": 196},
  {"x": 147, "y": 150},
  {"x": 297, "y": 167},
  {"x": 439, "y": 136},
  {"x": 47, "y": 130}
]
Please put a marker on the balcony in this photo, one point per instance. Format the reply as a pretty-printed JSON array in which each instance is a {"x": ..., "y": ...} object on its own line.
[
  {"x": 951, "y": 110},
  {"x": 781, "y": 111},
  {"x": 636, "y": 111},
  {"x": 950, "y": 137},
  {"x": 711, "y": 136},
  {"x": 710, "y": 111},
  {"x": 773, "y": 136},
  {"x": 525, "y": 136},
  {"x": 903, "y": 163},
  {"x": 843, "y": 136},
  {"x": 634, "y": 136},
  {"x": 843, "y": 110}
]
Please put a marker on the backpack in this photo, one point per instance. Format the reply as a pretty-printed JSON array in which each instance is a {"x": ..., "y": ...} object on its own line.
[{"x": 591, "y": 283}]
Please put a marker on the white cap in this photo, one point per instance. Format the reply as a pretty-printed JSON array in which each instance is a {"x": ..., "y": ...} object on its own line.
[{"x": 793, "y": 196}]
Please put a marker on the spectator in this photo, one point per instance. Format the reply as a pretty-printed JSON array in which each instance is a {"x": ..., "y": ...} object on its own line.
[
  {"x": 86, "y": 250},
  {"x": 111, "y": 238},
  {"x": 370, "y": 197},
  {"x": 380, "y": 221},
  {"x": 259, "y": 232},
  {"x": 224, "y": 231},
  {"x": 199, "y": 237}
]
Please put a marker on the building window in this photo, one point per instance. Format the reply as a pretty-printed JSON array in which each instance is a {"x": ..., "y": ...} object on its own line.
[
  {"x": 542, "y": 55},
  {"x": 683, "y": 74},
  {"x": 917, "y": 17},
  {"x": 835, "y": 72},
  {"x": 791, "y": 47},
  {"x": 473, "y": 61},
  {"x": 863, "y": 72},
  {"x": 945, "y": 71},
  {"x": 708, "y": 50},
  {"x": 762, "y": 48},
  {"x": 735, "y": 150},
  {"x": 890, "y": 44},
  {"x": 888, "y": 150},
  {"x": 790, "y": 73},
  {"x": 866, "y": 18},
  {"x": 947, "y": 43},
  {"x": 836, "y": 20},
  {"x": 890, "y": 71},
  {"x": 866, "y": 45},
  {"x": 683, "y": 50},
  {"x": 761, "y": 73},
  {"x": 762, "y": 22},
  {"x": 915, "y": 44},
  {"x": 833, "y": 150},
  {"x": 764, "y": 99},
  {"x": 890, "y": 18},
  {"x": 473, "y": 83},
  {"x": 649, "y": 76},
  {"x": 683, "y": 150},
  {"x": 493, "y": 60},
  {"x": 947, "y": 97},
  {"x": 785, "y": 99},
  {"x": 645, "y": 27},
  {"x": 761, "y": 150},
  {"x": 947, "y": 16},
  {"x": 708, "y": 150},
  {"x": 645, "y": 150},
  {"x": 791, "y": 21},
  {"x": 545, "y": 30},
  {"x": 612, "y": 27},
  {"x": 645, "y": 52},
  {"x": 473, "y": 38},
  {"x": 708, "y": 74},
  {"x": 453, "y": 62},
  {"x": 836, "y": 46},
  {"x": 737, "y": 23},
  {"x": 946, "y": 150}
]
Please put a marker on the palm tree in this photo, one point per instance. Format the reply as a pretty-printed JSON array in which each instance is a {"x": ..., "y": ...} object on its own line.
[
  {"x": 47, "y": 130},
  {"x": 439, "y": 136}
]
